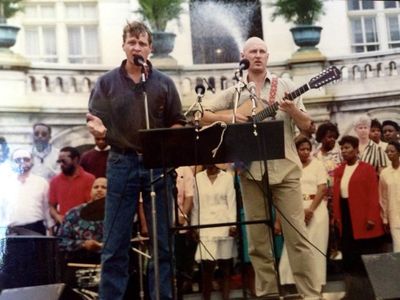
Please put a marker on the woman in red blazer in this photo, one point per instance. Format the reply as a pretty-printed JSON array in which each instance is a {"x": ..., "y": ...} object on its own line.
[{"x": 356, "y": 211}]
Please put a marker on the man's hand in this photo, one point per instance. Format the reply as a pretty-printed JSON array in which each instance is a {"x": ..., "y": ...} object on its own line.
[
  {"x": 96, "y": 126},
  {"x": 92, "y": 245},
  {"x": 287, "y": 106}
]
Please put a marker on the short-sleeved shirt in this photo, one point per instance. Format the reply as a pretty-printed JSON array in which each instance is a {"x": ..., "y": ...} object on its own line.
[
  {"x": 67, "y": 192},
  {"x": 314, "y": 174},
  {"x": 278, "y": 169},
  {"x": 45, "y": 162}
]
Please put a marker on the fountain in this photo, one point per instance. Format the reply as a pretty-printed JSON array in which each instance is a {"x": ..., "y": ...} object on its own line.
[{"x": 219, "y": 30}]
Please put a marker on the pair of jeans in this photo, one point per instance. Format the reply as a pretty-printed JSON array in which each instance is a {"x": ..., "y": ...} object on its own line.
[{"x": 127, "y": 177}]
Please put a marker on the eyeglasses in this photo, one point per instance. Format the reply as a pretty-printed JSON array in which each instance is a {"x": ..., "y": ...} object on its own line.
[
  {"x": 19, "y": 160},
  {"x": 41, "y": 133}
]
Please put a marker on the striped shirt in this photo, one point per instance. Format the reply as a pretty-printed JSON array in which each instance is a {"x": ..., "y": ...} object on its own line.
[{"x": 374, "y": 155}]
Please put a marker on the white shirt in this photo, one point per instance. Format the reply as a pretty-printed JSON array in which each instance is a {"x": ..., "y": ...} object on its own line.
[
  {"x": 344, "y": 183},
  {"x": 24, "y": 202},
  {"x": 45, "y": 163},
  {"x": 217, "y": 204},
  {"x": 314, "y": 174}
]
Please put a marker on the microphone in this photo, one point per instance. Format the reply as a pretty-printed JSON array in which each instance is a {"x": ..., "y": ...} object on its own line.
[
  {"x": 139, "y": 61},
  {"x": 244, "y": 64},
  {"x": 209, "y": 86},
  {"x": 200, "y": 90}
]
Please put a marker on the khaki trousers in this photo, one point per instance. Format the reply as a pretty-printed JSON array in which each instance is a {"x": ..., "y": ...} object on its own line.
[{"x": 287, "y": 198}]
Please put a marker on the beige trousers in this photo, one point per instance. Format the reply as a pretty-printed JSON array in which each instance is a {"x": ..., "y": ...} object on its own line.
[{"x": 287, "y": 198}]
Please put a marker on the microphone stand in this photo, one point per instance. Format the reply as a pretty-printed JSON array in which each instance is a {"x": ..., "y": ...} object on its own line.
[
  {"x": 197, "y": 108},
  {"x": 153, "y": 201},
  {"x": 198, "y": 114},
  {"x": 238, "y": 90},
  {"x": 253, "y": 112}
]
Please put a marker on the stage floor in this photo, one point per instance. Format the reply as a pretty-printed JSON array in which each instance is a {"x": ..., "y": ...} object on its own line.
[{"x": 333, "y": 290}]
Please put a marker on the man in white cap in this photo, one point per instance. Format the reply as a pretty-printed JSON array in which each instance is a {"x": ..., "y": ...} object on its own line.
[{"x": 24, "y": 196}]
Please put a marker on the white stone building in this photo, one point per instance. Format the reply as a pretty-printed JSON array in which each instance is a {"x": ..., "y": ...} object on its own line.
[{"x": 70, "y": 43}]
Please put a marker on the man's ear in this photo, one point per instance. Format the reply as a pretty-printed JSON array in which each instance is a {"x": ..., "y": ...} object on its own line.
[{"x": 241, "y": 55}]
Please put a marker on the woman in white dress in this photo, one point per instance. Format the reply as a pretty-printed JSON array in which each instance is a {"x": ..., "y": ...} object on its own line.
[
  {"x": 314, "y": 187},
  {"x": 389, "y": 192},
  {"x": 214, "y": 202}
]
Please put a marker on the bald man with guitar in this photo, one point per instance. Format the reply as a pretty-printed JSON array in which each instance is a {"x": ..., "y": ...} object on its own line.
[{"x": 273, "y": 98}]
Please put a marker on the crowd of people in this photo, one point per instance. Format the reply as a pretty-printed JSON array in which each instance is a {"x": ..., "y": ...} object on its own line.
[{"x": 332, "y": 198}]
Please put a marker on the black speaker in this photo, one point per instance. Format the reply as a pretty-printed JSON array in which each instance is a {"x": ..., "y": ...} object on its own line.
[
  {"x": 39, "y": 292},
  {"x": 384, "y": 272}
]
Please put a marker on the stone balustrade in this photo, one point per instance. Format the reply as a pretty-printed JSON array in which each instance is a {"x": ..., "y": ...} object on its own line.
[
  {"x": 357, "y": 70},
  {"x": 369, "y": 84}
]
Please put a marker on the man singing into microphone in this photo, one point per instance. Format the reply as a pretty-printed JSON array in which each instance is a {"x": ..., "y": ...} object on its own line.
[
  {"x": 284, "y": 175},
  {"x": 117, "y": 112}
]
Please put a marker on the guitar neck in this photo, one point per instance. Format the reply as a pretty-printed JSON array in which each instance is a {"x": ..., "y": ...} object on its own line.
[{"x": 271, "y": 110}]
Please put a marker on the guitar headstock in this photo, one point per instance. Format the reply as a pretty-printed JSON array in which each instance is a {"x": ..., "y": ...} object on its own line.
[{"x": 328, "y": 75}]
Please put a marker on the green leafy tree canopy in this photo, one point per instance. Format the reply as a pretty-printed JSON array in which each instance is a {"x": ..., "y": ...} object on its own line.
[
  {"x": 159, "y": 12},
  {"x": 300, "y": 12}
]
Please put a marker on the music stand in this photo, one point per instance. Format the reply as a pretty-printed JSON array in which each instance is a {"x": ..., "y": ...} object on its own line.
[{"x": 174, "y": 147}]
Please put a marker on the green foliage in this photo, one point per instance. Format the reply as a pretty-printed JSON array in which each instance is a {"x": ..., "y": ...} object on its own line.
[
  {"x": 8, "y": 8},
  {"x": 300, "y": 12},
  {"x": 159, "y": 12}
]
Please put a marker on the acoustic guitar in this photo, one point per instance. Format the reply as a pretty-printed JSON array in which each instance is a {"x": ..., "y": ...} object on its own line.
[{"x": 326, "y": 76}]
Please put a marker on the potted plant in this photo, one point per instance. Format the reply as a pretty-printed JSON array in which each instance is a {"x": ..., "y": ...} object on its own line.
[
  {"x": 303, "y": 13},
  {"x": 157, "y": 13},
  {"x": 8, "y": 33}
]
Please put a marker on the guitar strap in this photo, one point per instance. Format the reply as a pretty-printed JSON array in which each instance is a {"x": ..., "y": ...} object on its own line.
[{"x": 273, "y": 89}]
